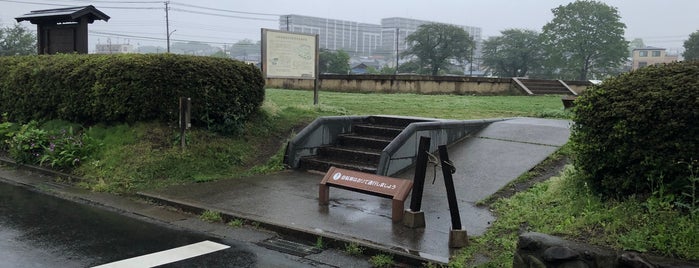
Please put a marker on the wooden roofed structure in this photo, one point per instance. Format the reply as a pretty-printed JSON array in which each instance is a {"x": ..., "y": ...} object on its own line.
[{"x": 63, "y": 30}]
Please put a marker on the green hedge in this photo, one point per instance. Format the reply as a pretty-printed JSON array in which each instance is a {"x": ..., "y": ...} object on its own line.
[
  {"x": 638, "y": 133},
  {"x": 128, "y": 88}
]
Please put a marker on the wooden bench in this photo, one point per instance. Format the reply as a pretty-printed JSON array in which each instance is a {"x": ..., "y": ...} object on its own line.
[{"x": 371, "y": 184}]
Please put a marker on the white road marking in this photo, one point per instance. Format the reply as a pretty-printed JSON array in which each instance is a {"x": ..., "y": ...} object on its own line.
[{"x": 168, "y": 256}]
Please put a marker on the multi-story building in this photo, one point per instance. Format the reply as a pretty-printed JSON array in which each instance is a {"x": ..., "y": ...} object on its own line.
[
  {"x": 649, "y": 56},
  {"x": 362, "y": 39},
  {"x": 113, "y": 48},
  {"x": 359, "y": 39}
]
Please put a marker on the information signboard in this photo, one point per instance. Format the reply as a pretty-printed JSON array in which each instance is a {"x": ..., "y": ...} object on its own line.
[{"x": 289, "y": 55}]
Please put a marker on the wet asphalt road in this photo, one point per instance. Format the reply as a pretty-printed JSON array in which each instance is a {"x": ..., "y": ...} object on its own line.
[{"x": 38, "y": 230}]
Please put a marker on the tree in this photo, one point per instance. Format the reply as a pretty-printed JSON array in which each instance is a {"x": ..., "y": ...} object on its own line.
[
  {"x": 245, "y": 48},
  {"x": 220, "y": 54},
  {"x": 634, "y": 44},
  {"x": 691, "y": 47},
  {"x": 435, "y": 44},
  {"x": 514, "y": 53},
  {"x": 585, "y": 38},
  {"x": 17, "y": 40},
  {"x": 333, "y": 61}
]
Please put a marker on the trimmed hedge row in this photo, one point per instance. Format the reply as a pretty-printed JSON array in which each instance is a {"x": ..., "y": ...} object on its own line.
[
  {"x": 638, "y": 133},
  {"x": 127, "y": 88}
]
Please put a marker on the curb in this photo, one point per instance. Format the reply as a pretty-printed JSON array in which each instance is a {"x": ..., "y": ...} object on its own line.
[{"x": 331, "y": 239}]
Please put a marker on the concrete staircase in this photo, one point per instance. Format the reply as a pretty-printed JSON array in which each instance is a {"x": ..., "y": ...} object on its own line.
[
  {"x": 543, "y": 87},
  {"x": 360, "y": 149}
]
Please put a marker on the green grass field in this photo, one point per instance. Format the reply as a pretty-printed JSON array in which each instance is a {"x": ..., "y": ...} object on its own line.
[{"x": 432, "y": 106}]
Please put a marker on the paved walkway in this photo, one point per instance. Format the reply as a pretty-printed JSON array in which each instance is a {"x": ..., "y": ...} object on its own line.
[{"x": 289, "y": 199}]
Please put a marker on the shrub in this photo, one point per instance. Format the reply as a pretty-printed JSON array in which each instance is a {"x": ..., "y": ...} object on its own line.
[
  {"x": 127, "y": 88},
  {"x": 63, "y": 149},
  {"x": 633, "y": 132}
]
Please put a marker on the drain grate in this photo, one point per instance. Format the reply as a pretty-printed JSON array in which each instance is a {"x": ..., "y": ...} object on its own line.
[{"x": 289, "y": 247}]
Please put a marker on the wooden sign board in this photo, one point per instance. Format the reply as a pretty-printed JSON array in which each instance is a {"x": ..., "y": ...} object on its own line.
[{"x": 371, "y": 184}]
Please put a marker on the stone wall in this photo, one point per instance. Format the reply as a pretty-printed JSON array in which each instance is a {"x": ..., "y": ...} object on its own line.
[
  {"x": 417, "y": 84},
  {"x": 542, "y": 250}
]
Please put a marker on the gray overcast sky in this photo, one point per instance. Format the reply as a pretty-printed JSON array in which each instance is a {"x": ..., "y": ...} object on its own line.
[{"x": 661, "y": 23}]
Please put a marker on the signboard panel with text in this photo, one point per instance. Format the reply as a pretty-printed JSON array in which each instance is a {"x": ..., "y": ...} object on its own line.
[{"x": 289, "y": 55}]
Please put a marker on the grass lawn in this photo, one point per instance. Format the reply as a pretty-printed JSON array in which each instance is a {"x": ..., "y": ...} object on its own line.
[{"x": 433, "y": 106}]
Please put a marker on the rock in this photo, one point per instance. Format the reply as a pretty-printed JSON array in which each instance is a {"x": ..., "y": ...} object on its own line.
[
  {"x": 534, "y": 262},
  {"x": 518, "y": 262},
  {"x": 633, "y": 260},
  {"x": 574, "y": 264},
  {"x": 559, "y": 253}
]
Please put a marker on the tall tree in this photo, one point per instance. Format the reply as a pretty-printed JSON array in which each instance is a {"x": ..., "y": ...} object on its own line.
[
  {"x": 514, "y": 53},
  {"x": 585, "y": 38},
  {"x": 17, "y": 40},
  {"x": 333, "y": 61},
  {"x": 691, "y": 47},
  {"x": 435, "y": 44},
  {"x": 634, "y": 44},
  {"x": 245, "y": 47}
]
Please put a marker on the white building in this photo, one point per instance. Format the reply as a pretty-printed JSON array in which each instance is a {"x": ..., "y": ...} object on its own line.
[
  {"x": 362, "y": 39},
  {"x": 113, "y": 49}
]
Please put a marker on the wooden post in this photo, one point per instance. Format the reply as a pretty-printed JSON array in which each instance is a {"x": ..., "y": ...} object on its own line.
[{"x": 185, "y": 105}]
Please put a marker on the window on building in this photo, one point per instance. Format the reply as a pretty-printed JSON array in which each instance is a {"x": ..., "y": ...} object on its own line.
[
  {"x": 643, "y": 53},
  {"x": 642, "y": 64},
  {"x": 656, "y": 53}
]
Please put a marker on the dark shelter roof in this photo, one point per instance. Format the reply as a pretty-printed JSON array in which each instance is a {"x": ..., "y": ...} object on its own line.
[{"x": 62, "y": 15}]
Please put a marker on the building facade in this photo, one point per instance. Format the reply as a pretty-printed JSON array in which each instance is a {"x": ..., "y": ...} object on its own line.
[
  {"x": 643, "y": 57},
  {"x": 113, "y": 49},
  {"x": 357, "y": 39},
  {"x": 362, "y": 39}
]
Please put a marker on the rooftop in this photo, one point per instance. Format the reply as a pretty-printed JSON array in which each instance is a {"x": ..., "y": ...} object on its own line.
[{"x": 60, "y": 15}]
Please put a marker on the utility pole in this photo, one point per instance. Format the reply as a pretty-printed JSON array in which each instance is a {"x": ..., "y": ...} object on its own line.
[
  {"x": 167, "y": 24},
  {"x": 287, "y": 23},
  {"x": 397, "y": 34}
]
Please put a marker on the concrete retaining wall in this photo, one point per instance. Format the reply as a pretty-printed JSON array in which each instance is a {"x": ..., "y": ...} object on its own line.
[{"x": 417, "y": 84}]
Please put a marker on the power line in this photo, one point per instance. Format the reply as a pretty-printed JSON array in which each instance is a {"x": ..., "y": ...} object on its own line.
[
  {"x": 224, "y": 10},
  {"x": 64, "y": 5},
  {"x": 35, "y": 3},
  {"x": 219, "y": 15},
  {"x": 150, "y": 38}
]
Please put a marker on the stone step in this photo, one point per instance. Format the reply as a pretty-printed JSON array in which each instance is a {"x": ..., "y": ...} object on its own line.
[
  {"x": 322, "y": 165},
  {"x": 392, "y": 121},
  {"x": 352, "y": 154},
  {"x": 372, "y": 142},
  {"x": 377, "y": 130},
  {"x": 549, "y": 91}
]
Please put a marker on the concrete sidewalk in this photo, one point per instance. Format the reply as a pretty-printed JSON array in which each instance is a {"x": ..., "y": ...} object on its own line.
[{"x": 289, "y": 200}]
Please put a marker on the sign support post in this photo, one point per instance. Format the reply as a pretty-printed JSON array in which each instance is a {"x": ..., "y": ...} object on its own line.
[
  {"x": 415, "y": 217},
  {"x": 458, "y": 237}
]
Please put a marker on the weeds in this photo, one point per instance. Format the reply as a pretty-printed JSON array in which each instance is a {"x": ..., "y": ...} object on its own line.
[
  {"x": 211, "y": 216},
  {"x": 353, "y": 249},
  {"x": 237, "y": 223},
  {"x": 381, "y": 261},
  {"x": 319, "y": 243}
]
